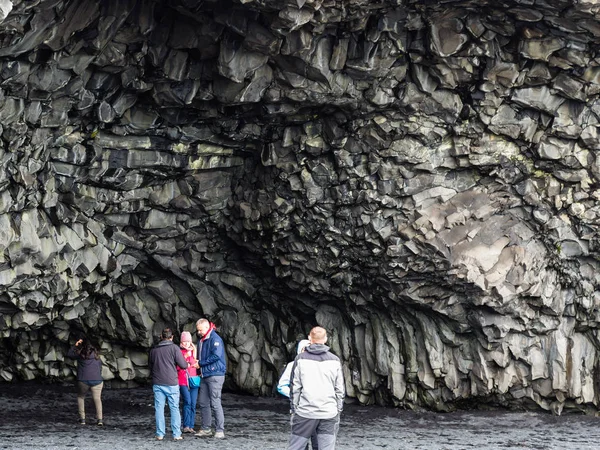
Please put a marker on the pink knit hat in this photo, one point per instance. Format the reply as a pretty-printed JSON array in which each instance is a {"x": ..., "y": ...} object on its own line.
[{"x": 186, "y": 336}]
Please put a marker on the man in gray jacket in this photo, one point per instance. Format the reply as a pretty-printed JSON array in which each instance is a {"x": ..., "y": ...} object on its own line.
[
  {"x": 316, "y": 394},
  {"x": 165, "y": 383}
]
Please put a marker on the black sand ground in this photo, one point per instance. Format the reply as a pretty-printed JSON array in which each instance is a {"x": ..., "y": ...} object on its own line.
[{"x": 36, "y": 416}]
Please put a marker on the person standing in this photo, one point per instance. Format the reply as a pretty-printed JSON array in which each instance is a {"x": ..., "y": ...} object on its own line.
[
  {"x": 211, "y": 356},
  {"x": 316, "y": 394},
  {"x": 283, "y": 386},
  {"x": 89, "y": 377},
  {"x": 163, "y": 362},
  {"x": 188, "y": 391}
]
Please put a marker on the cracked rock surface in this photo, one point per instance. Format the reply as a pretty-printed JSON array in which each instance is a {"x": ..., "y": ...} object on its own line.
[{"x": 421, "y": 178}]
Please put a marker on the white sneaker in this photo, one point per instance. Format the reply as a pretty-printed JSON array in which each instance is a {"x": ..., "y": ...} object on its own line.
[{"x": 219, "y": 435}]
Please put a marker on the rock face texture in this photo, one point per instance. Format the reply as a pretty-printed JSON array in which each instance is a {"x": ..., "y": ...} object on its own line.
[{"x": 419, "y": 177}]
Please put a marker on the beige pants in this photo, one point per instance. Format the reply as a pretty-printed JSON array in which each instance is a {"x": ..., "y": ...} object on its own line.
[{"x": 82, "y": 389}]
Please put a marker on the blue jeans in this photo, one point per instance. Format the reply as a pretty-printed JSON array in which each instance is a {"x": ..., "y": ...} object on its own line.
[
  {"x": 190, "y": 397},
  {"x": 170, "y": 393},
  {"x": 210, "y": 401}
]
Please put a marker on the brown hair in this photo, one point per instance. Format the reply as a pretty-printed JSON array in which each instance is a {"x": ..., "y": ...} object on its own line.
[{"x": 87, "y": 349}]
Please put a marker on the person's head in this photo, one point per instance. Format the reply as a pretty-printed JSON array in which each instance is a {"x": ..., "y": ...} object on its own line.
[
  {"x": 318, "y": 335},
  {"x": 202, "y": 326},
  {"x": 166, "y": 335},
  {"x": 86, "y": 348},
  {"x": 186, "y": 340},
  {"x": 302, "y": 345}
]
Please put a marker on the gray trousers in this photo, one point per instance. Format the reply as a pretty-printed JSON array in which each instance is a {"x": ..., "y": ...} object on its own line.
[
  {"x": 210, "y": 401},
  {"x": 302, "y": 429}
]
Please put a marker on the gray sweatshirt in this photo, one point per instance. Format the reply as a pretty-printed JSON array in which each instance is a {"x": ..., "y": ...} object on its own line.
[
  {"x": 162, "y": 361},
  {"x": 317, "y": 384}
]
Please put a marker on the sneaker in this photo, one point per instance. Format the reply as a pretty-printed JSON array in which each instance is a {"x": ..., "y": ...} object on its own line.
[
  {"x": 178, "y": 438},
  {"x": 100, "y": 423},
  {"x": 204, "y": 433},
  {"x": 81, "y": 421},
  {"x": 159, "y": 438},
  {"x": 219, "y": 435}
]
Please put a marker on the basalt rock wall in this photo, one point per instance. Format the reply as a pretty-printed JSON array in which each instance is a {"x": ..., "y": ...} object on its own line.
[{"x": 421, "y": 178}]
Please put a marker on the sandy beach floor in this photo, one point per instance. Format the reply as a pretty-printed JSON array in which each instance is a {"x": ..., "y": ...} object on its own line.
[{"x": 34, "y": 415}]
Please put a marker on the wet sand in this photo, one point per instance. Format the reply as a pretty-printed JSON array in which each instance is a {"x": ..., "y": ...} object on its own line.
[{"x": 34, "y": 415}]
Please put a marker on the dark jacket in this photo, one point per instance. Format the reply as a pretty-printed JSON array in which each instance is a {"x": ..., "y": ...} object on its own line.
[
  {"x": 88, "y": 369},
  {"x": 163, "y": 360},
  {"x": 212, "y": 355}
]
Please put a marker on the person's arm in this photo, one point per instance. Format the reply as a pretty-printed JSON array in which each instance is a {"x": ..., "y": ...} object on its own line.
[
  {"x": 295, "y": 386},
  {"x": 283, "y": 385},
  {"x": 339, "y": 389},
  {"x": 74, "y": 352},
  {"x": 150, "y": 361}
]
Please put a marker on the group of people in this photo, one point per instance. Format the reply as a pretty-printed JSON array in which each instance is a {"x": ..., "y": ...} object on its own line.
[
  {"x": 189, "y": 372},
  {"x": 185, "y": 372},
  {"x": 313, "y": 382}
]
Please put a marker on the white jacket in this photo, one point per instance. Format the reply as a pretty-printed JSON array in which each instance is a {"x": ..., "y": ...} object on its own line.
[{"x": 283, "y": 386}]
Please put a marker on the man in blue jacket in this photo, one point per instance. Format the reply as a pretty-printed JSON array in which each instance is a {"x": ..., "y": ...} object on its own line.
[{"x": 211, "y": 359}]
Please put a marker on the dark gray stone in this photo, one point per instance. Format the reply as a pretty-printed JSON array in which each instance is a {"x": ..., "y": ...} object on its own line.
[{"x": 420, "y": 178}]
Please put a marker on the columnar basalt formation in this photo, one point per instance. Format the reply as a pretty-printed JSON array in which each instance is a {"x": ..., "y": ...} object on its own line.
[{"x": 419, "y": 177}]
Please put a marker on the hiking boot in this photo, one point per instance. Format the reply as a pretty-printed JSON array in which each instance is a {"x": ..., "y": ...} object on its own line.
[
  {"x": 219, "y": 435},
  {"x": 81, "y": 421},
  {"x": 204, "y": 433}
]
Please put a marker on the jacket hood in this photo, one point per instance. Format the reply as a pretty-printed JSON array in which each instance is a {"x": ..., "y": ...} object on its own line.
[{"x": 317, "y": 348}]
